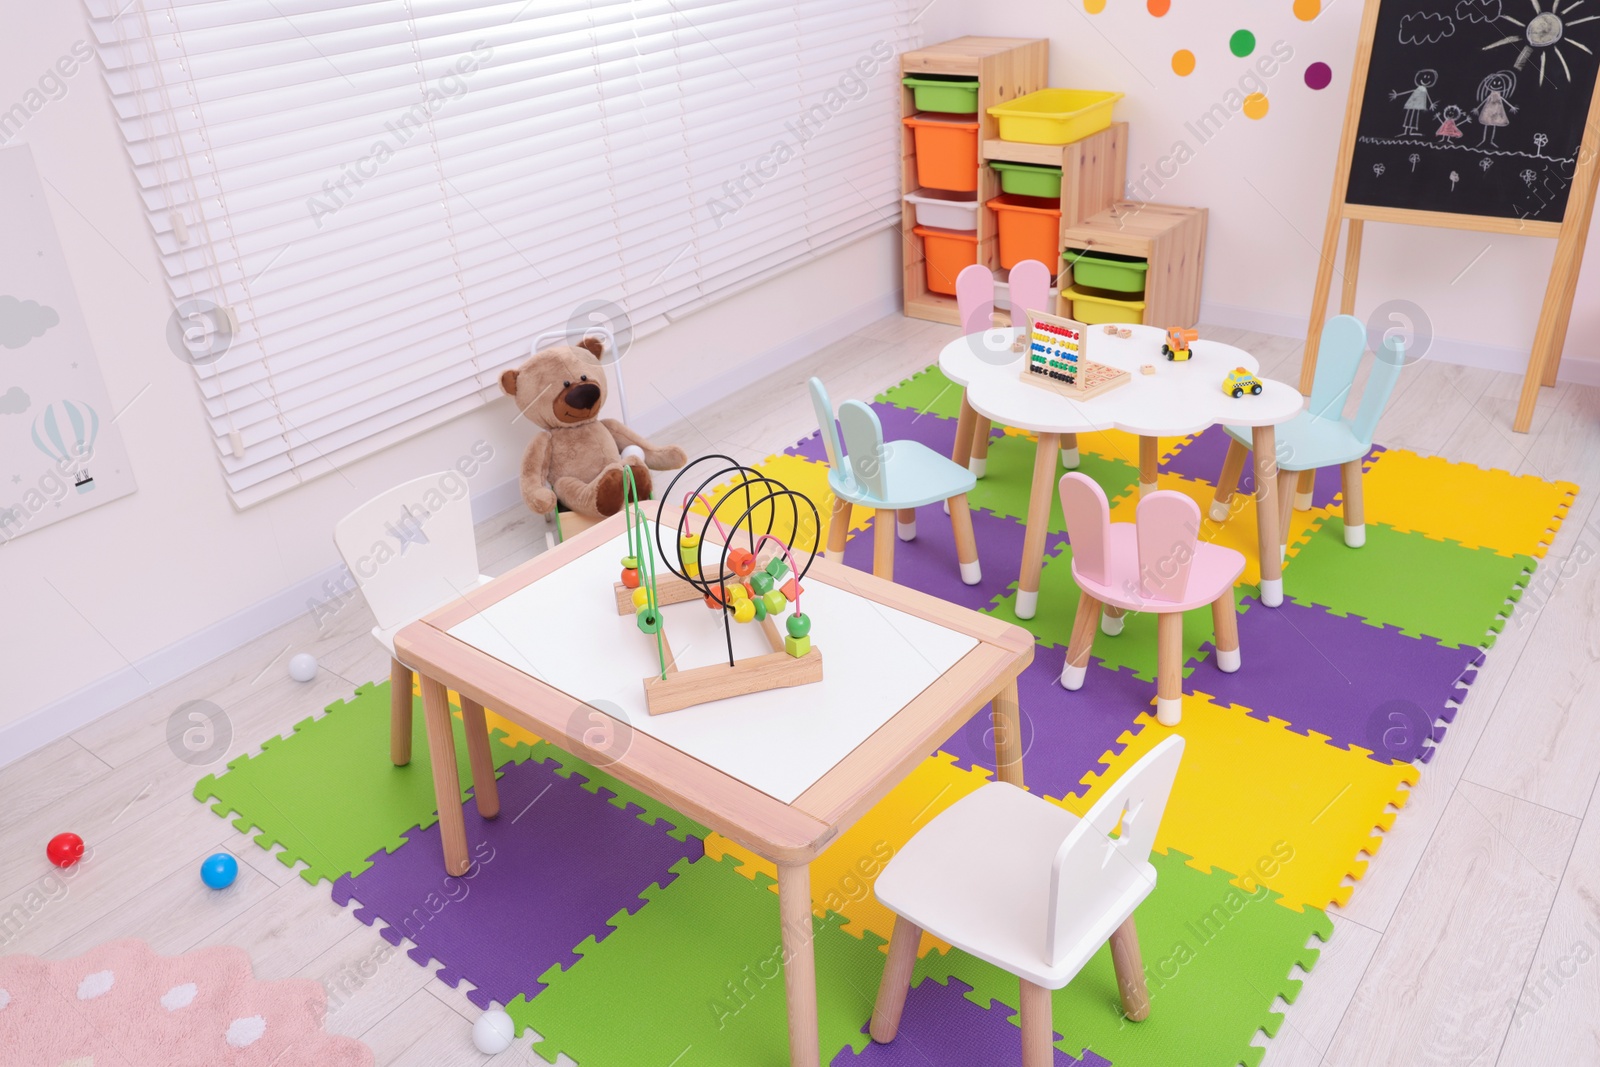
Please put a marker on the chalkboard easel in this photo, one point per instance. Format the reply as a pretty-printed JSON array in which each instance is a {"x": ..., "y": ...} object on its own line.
[{"x": 1479, "y": 115}]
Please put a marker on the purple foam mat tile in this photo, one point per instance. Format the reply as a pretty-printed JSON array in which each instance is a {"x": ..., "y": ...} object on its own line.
[
  {"x": 1201, "y": 460},
  {"x": 1064, "y": 734},
  {"x": 942, "y": 1028},
  {"x": 1359, "y": 684},
  {"x": 929, "y": 563},
  {"x": 562, "y": 859},
  {"x": 899, "y": 424}
]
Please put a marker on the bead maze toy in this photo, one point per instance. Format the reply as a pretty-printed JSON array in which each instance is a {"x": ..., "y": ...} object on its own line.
[
  {"x": 1056, "y": 359},
  {"x": 753, "y": 582}
]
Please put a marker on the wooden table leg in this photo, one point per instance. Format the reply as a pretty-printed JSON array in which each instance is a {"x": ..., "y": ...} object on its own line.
[
  {"x": 1264, "y": 443},
  {"x": 1070, "y": 458},
  {"x": 799, "y": 963},
  {"x": 446, "y": 782},
  {"x": 1148, "y": 458},
  {"x": 485, "y": 790},
  {"x": 979, "y": 463},
  {"x": 961, "y": 455},
  {"x": 1228, "y": 481},
  {"x": 883, "y": 523},
  {"x": 1039, "y": 500},
  {"x": 1006, "y": 718},
  {"x": 838, "y": 528}
]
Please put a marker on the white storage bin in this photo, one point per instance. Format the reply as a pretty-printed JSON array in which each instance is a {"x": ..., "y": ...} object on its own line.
[{"x": 945, "y": 210}]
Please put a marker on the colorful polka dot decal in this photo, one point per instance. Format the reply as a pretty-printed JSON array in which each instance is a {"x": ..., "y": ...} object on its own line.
[
  {"x": 1158, "y": 7},
  {"x": 1255, "y": 106},
  {"x": 1318, "y": 75},
  {"x": 1242, "y": 43},
  {"x": 1183, "y": 62},
  {"x": 1306, "y": 10},
  {"x": 1094, "y": 7}
]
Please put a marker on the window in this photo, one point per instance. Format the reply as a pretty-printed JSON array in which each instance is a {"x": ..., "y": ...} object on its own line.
[{"x": 367, "y": 209}]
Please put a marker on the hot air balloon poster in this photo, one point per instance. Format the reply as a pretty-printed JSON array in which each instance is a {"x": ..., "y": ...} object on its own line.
[{"x": 60, "y": 449}]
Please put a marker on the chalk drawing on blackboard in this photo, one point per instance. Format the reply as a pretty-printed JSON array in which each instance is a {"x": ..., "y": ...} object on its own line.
[
  {"x": 1414, "y": 159},
  {"x": 1453, "y": 116},
  {"x": 1425, "y": 27},
  {"x": 1417, "y": 101},
  {"x": 1543, "y": 35},
  {"x": 1378, "y": 169},
  {"x": 1494, "y": 103},
  {"x": 1478, "y": 10},
  {"x": 1454, "y": 177}
]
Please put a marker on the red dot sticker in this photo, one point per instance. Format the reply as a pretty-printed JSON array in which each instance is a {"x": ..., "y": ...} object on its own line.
[{"x": 1318, "y": 76}]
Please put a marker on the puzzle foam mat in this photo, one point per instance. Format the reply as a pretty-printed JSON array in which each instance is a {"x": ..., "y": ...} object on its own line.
[{"x": 626, "y": 934}]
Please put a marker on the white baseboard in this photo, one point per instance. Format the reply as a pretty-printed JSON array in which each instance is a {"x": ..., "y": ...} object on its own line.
[
  {"x": 81, "y": 707},
  {"x": 1443, "y": 349}
]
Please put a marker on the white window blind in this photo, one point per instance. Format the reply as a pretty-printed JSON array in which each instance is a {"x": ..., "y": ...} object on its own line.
[{"x": 389, "y": 198}]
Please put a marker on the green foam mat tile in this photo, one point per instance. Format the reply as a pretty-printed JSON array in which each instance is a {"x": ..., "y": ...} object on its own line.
[
  {"x": 623, "y": 794},
  {"x": 1422, "y": 587},
  {"x": 695, "y": 979},
  {"x": 1007, "y": 483},
  {"x": 927, "y": 390},
  {"x": 1134, "y": 648},
  {"x": 1215, "y": 958},
  {"x": 327, "y": 793}
]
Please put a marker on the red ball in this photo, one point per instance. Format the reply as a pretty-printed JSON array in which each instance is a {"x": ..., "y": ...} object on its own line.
[{"x": 64, "y": 849}]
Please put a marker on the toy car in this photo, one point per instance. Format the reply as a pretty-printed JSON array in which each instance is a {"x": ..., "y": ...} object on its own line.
[
  {"x": 1239, "y": 382},
  {"x": 1176, "y": 346}
]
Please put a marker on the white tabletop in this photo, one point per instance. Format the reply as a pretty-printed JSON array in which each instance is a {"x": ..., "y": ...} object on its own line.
[
  {"x": 1179, "y": 398},
  {"x": 564, "y": 630}
]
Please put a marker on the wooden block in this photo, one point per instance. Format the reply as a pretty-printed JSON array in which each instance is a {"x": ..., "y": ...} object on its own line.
[{"x": 718, "y": 681}]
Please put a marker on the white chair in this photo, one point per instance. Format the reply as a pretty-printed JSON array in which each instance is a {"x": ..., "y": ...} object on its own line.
[
  {"x": 1029, "y": 887},
  {"x": 409, "y": 558}
]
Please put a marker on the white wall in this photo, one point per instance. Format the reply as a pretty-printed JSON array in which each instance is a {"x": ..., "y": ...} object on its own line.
[
  {"x": 1267, "y": 181},
  {"x": 87, "y": 597}
]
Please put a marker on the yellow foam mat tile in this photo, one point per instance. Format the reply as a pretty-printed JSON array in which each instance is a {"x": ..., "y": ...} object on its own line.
[
  {"x": 1285, "y": 810},
  {"x": 1239, "y": 531},
  {"x": 1507, "y": 513},
  {"x": 842, "y": 877}
]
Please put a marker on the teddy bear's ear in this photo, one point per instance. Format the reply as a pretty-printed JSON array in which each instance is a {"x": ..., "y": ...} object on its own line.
[
  {"x": 508, "y": 382},
  {"x": 593, "y": 344}
]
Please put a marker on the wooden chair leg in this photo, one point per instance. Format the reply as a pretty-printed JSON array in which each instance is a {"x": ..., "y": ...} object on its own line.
[
  {"x": 883, "y": 522},
  {"x": 1130, "y": 971},
  {"x": 1083, "y": 626},
  {"x": 1225, "y": 625},
  {"x": 400, "y": 711},
  {"x": 966, "y": 542},
  {"x": 485, "y": 790},
  {"x": 979, "y": 463},
  {"x": 1169, "y": 668},
  {"x": 1228, "y": 480},
  {"x": 1038, "y": 1031},
  {"x": 1111, "y": 621},
  {"x": 1355, "y": 510},
  {"x": 905, "y": 523},
  {"x": 1304, "y": 489},
  {"x": 1286, "y": 490},
  {"x": 838, "y": 528},
  {"x": 896, "y": 982},
  {"x": 1070, "y": 457}
]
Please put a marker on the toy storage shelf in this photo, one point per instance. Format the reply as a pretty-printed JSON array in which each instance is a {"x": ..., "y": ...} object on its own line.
[{"x": 1006, "y": 68}]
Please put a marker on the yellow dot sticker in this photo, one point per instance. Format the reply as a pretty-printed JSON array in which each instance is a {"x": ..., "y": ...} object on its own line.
[
  {"x": 1094, "y": 7},
  {"x": 1255, "y": 106},
  {"x": 1306, "y": 10},
  {"x": 1183, "y": 62}
]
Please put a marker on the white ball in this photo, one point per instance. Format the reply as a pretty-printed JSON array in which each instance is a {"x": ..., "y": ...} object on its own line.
[
  {"x": 633, "y": 453},
  {"x": 493, "y": 1031},
  {"x": 303, "y": 667}
]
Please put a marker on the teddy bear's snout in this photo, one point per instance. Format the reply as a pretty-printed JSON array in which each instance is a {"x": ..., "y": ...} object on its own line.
[{"x": 582, "y": 397}]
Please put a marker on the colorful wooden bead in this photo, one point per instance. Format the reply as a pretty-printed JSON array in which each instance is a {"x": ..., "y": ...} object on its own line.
[
  {"x": 798, "y": 625},
  {"x": 761, "y": 608},
  {"x": 777, "y": 568},
  {"x": 761, "y": 583},
  {"x": 641, "y": 598},
  {"x": 736, "y": 592},
  {"x": 649, "y": 621},
  {"x": 713, "y": 600},
  {"x": 797, "y": 646},
  {"x": 741, "y": 562},
  {"x": 630, "y": 577},
  {"x": 743, "y": 610},
  {"x": 792, "y": 589},
  {"x": 775, "y": 602},
  {"x": 630, "y": 563},
  {"x": 691, "y": 570}
]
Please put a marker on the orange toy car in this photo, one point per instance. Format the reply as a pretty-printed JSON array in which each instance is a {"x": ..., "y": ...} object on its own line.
[{"x": 1176, "y": 346}]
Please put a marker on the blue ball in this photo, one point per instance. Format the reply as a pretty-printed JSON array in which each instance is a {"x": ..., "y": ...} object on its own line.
[{"x": 219, "y": 871}]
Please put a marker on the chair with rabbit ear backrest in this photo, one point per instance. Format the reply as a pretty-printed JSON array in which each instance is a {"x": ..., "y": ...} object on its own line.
[
  {"x": 1380, "y": 386},
  {"x": 1344, "y": 340},
  {"x": 975, "y": 298},
  {"x": 1094, "y": 873},
  {"x": 863, "y": 441},
  {"x": 1167, "y": 528},
  {"x": 1029, "y": 282},
  {"x": 1088, "y": 516},
  {"x": 823, "y": 408}
]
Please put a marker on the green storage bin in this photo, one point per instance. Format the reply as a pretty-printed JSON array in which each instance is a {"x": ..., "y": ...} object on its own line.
[
  {"x": 1106, "y": 270},
  {"x": 946, "y": 93},
  {"x": 1029, "y": 179}
]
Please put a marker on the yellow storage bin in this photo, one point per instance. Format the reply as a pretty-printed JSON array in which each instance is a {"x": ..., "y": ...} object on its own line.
[
  {"x": 1095, "y": 306},
  {"x": 1055, "y": 116}
]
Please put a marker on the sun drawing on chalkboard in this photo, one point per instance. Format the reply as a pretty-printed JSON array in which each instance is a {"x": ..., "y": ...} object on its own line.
[{"x": 1544, "y": 34}]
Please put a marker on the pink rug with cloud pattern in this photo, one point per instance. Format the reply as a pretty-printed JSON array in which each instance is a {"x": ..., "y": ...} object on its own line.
[{"x": 121, "y": 1005}]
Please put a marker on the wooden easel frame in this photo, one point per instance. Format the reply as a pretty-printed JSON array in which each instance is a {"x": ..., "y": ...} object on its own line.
[{"x": 1571, "y": 234}]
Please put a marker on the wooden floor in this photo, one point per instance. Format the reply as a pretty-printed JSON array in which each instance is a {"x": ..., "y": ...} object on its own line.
[{"x": 1473, "y": 940}]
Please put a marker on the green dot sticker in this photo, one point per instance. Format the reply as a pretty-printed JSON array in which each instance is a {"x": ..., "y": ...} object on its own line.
[{"x": 1242, "y": 43}]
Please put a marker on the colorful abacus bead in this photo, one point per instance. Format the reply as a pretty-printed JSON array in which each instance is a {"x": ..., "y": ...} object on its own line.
[
  {"x": 798, "y": 625},
  {"x": 641, "y": 598},
  {"x": 630, "y": 577},
  {"x": 744, "y": 610},
  {"x": 775, "y": 602},
  {"x": 741, "y": 562}
]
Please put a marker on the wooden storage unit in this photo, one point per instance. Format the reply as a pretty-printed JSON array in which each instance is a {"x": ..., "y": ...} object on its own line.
[{"x": 1006, "y": 68}]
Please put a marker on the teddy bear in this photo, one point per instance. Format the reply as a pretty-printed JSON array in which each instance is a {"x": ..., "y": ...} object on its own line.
[{"x": 577, "y": 457}]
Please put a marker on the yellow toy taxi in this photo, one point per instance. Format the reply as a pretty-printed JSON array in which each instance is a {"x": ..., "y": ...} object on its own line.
[{"x": 1239, "y": 382}]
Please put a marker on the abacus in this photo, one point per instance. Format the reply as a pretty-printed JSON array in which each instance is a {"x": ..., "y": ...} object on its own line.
[{"x": 755, "y": 581}]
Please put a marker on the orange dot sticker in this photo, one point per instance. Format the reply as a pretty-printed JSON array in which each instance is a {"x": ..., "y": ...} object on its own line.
[
  {"x": 1158, "y": 7},
  {"x": 1306, "y": 10},
  {"x": 1094, "y": 7},
  {"x": 1183, "y": 62},
  {"x": 1255, "y": 106}
]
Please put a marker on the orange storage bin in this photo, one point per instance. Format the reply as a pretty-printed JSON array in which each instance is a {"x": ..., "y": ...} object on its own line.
[
  {"x": 948, "y": 253},
  {"x": 947, "y": 152},
  {"x": 1029, "y": 228}
]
